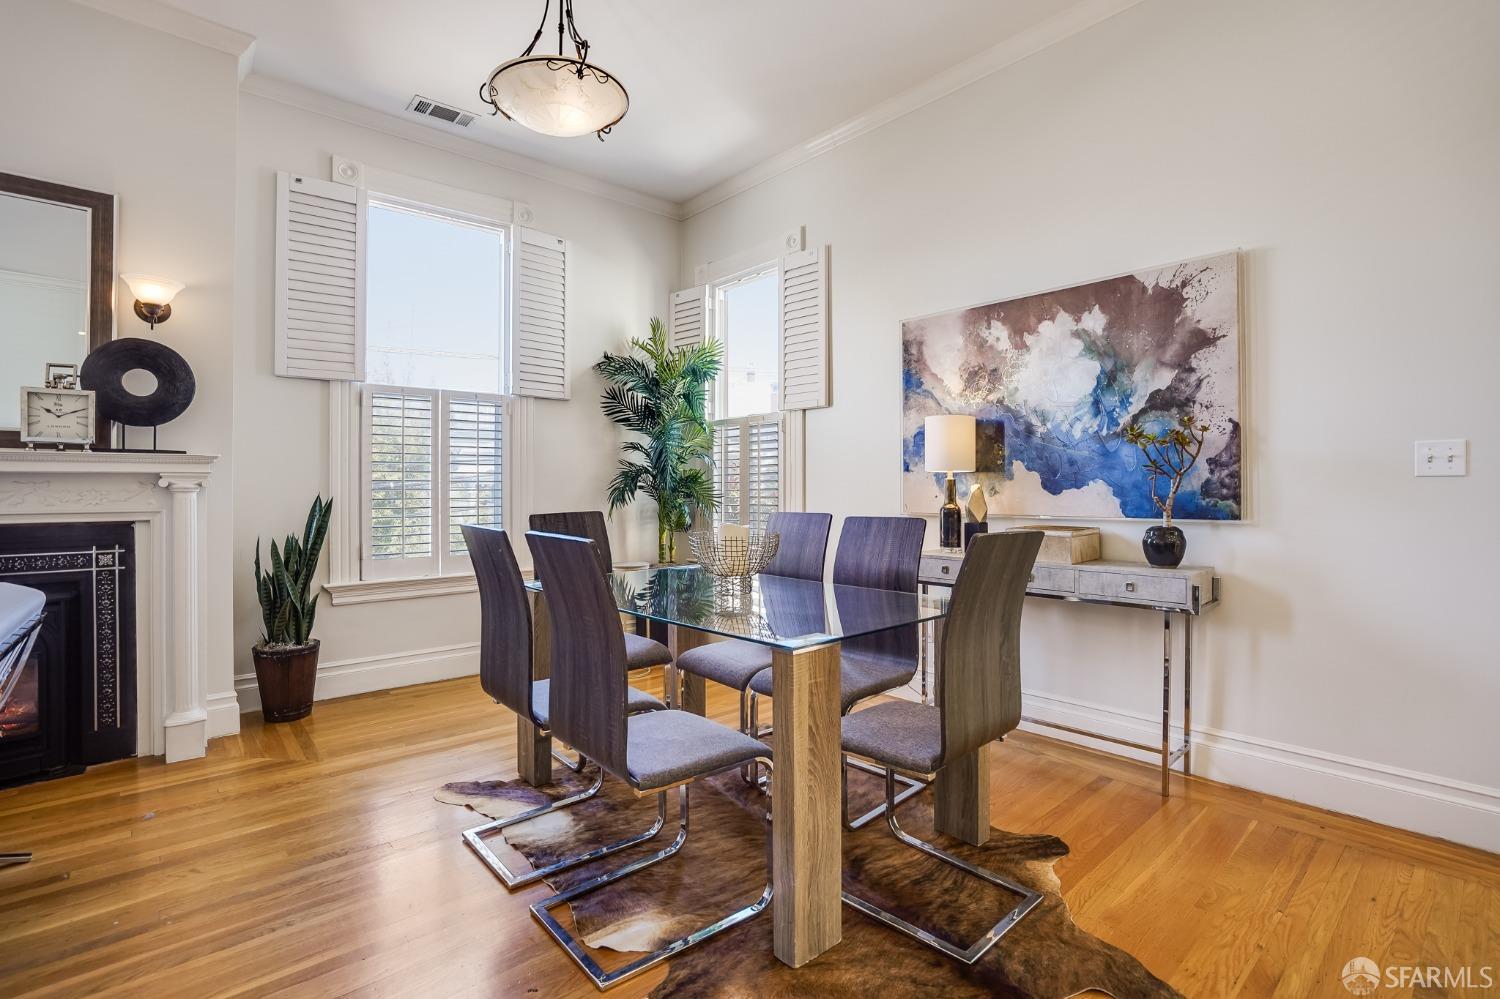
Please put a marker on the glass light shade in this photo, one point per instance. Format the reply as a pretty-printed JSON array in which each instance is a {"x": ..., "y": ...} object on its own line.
[
  {"x": 951, "y": 443},
  {"x": 546, "y": 94},
  {"x": 152, "y": 290}
]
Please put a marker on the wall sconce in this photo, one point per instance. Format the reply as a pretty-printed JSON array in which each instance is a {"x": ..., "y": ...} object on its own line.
[{"x": 153, "y": 296}]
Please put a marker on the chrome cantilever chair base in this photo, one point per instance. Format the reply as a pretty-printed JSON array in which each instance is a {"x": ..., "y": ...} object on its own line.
[
  {"x": 475, "y": 838},
  {"x": 7, "y": 859},
  {"x": 606, "y": 979},
  {"x": 1029, "y": 899}
]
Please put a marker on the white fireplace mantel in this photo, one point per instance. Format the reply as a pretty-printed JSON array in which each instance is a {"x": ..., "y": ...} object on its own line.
[{"x": 162, "y": 495}]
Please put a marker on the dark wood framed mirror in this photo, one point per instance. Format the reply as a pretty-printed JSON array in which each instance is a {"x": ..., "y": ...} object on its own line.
[{"x": 57, "y": 281}]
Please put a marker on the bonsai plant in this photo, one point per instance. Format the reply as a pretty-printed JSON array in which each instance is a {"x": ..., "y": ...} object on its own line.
[
  {"x": 286, "y": 657},
  {"x": 1170, "y": 455},
  {"x": 661, "y": 393}
]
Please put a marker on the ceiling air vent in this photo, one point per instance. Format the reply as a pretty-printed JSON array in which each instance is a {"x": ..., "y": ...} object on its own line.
[{"x": 432, "y": 109}]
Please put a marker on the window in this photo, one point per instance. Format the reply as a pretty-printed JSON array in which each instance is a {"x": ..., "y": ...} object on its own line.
[
  {"x": 746, "y": 399},
  {"x": 433, "y": 426}
]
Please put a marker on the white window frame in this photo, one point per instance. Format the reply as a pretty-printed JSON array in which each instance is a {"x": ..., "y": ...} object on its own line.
[
  {"x": 352, "y": 579},
  {"x": 720, "y": 395}
]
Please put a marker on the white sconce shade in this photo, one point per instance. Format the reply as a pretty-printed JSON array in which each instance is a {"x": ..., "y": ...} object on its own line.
[
  {"x": 152, "y": 290},
  {"x": 950, "y": 443}
]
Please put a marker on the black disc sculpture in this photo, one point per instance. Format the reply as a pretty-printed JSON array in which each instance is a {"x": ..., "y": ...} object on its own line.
[{"x": 104, "y": 372}]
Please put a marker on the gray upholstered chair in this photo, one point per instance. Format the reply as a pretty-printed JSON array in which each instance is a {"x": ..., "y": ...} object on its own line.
[
  {"x": 641, "y": 651},
  {"x": 505, "y": 673},
  {"x": 21, "y": 612},
  {"x": 882, "y": 553},
  {"x": 978, "y": 701},
  {"x": 800, "y": 555},
  {"x": 651, "y": 753}
]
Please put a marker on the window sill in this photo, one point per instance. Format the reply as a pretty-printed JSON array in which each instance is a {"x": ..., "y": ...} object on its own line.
[{"x": 371, "y": 591}]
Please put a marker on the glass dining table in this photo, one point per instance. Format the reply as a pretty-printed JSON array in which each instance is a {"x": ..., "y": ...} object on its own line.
[{"x": 803, "y": 623}]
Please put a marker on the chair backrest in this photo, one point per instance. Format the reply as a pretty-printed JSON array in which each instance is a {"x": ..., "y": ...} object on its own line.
[
  {"x": 880, "y": 552},
  {"x": 579, "y": 524},
  {"x": 883, "y": 553},
  {"x": 504, "y": 619},
  {"x": 588, "y": 650},
  {"x": 979, "y": 670},
  {"x": 804, "y": 544}
]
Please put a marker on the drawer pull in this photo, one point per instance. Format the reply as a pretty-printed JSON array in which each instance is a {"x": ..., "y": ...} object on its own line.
[
  {"x": 1129, "y": 586},
  {"x": 945, "y": 570},
  {"x": 1031, "y": 578}
]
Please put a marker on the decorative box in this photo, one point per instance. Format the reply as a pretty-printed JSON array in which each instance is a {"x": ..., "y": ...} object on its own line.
[{"x": 1067, "y": 545}]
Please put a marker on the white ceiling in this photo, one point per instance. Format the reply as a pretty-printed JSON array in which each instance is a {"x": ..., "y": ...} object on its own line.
[{"x": 716, "y": 86}]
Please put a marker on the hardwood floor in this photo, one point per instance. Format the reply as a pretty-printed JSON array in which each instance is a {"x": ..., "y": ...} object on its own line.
[{"x": 311, "y": 859}]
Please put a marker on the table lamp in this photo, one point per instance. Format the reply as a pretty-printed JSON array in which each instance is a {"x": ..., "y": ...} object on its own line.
[{"x": 950, "y": 447}]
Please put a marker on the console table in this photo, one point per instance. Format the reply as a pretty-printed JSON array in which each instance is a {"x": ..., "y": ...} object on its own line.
[{"x": 1187, "y": 591}]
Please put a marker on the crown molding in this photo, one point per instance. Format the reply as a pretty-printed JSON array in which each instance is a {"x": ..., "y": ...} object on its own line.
[
  {"x": 173, "y": 21},
  {"x": 1077, "y": 18},
  {"x": 297, "y": 96}
]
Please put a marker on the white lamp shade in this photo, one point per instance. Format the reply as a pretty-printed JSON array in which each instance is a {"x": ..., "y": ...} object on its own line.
[
  {"x": 547, "y": 95},
  {"x": 152, "y": 290},
  {"x": 950, "y": 443}
]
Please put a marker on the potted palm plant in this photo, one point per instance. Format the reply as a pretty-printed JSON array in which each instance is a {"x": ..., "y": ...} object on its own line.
[
  {"x": 661, "y": 393},
  {"x": 286, "y": 657}
]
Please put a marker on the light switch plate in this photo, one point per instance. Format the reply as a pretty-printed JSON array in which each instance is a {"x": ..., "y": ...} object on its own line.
[{"x": 1442, "y": 458}]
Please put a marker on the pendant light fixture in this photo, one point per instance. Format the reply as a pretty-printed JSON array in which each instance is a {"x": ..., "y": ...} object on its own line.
[{"x": 557, "y": 94}]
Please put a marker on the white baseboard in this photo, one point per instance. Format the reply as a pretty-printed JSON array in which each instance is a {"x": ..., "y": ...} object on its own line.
[
  {"x": 224, "y": 714},
  {"x": 1424, "y": 803},
  {"x": 362, "y": 675}
]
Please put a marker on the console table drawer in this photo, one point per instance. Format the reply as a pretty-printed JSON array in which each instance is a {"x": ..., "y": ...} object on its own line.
[
  {"x": 1053, "y": 579},
  {"x": 1145, "y": 588},
  {"x": 937, "y": 569}
]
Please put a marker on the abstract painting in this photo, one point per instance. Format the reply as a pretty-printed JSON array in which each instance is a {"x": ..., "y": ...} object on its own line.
[{"x": 1054, "y": 379}]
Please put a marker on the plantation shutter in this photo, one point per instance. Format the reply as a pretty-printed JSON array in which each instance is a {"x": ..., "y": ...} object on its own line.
[
  {"x": 538, "y": 362},
  {"x": 804, "y": 330},
  {"x": 400, "y": 529},
  {"x": 690, "y": 321},
  {"x": 473, "y": 436},
  {"x": 747, "y": 469},
  {"x": 320, "y": 275}
]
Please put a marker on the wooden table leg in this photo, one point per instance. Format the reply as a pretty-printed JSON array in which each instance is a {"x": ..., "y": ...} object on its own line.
[
  {"x": 961, "y": 795},
  {"x": 533, "y": 748},
  {"x": 694, "y": 696},
  {"x": 806, "y": 838}
]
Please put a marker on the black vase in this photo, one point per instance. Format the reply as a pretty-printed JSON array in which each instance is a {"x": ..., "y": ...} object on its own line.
[{"x": 1164, "y": 546}]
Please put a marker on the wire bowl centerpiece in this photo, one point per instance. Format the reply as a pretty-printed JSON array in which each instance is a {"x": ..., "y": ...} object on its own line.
[{"x": 732, "y": 557}]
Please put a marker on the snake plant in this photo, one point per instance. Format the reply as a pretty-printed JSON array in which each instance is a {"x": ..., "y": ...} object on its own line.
[{"x": 288, "y": 603}]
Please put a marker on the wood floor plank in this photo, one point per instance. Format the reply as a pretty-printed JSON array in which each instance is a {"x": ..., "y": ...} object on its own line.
[{"x": 311, "y": 859}]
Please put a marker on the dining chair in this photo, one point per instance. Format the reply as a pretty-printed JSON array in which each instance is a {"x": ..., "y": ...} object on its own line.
[
  {"x": 22, "y": 609},
  {"x": 641, "y": 650},
  {"x": 505, "y": 673},
  {"x": 800, "y": 555},
  {"x": 875, "y": 553},
  {"x": 978, "y": 701},
  {"x": 651, "y": 753}
]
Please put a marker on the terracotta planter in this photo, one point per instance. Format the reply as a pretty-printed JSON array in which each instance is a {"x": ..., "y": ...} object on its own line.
[{"x": 286, "y": 677}]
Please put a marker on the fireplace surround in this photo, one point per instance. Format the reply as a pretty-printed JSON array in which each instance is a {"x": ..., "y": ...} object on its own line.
[{"x": 159, "y": 499}]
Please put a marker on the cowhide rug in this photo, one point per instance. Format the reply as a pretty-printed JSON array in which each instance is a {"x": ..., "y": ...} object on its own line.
[{"x": 724, "y": 865}]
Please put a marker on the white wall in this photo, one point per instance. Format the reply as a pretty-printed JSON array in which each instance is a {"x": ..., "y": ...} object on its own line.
[
  {"x": 105, "y": 104},
  {"x": 1349, "y": 147},
  {"x": 622, "y": 264}
]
